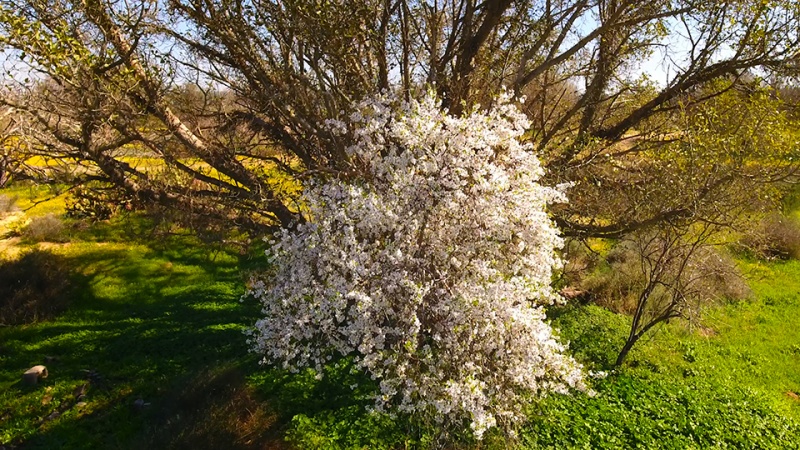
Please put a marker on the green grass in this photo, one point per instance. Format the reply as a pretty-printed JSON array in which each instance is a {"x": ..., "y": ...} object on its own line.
[
  {"x": 142, "y": 320},
  {"x": 751, "y": 344},
  {"x": 156, "y": 320}
]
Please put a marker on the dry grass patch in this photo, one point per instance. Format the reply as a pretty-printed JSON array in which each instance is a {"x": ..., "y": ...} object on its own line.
[
  {"x": 8, "y": 204},
  {"x": 47, "y": 228}
]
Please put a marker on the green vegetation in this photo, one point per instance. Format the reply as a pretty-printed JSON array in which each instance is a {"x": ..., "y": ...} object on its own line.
[
  {"x": 37, "y": 200},
  {"x": 161, "y": 324},
  {"x": 730, "y": 383},
  {"x": 147, "y": 350}
]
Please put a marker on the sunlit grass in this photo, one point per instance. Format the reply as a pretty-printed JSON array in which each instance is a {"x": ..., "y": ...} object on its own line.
[
  {"x": 38, "y": 200},
  {"x": 728, "y": 381}
]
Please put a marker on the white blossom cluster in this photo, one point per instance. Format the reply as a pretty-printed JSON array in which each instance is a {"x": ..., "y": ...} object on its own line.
[{"x": 431, "y": 271}]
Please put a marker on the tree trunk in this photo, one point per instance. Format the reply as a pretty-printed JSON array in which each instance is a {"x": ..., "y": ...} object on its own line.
[{"x": 626, "y": 349}]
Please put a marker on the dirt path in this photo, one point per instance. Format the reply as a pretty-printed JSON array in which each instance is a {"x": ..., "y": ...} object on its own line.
[{"x": 8, "y": 244}]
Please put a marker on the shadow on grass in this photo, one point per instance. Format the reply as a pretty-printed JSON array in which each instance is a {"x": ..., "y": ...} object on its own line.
[
  {"x": 149, "y": 354},
  {"x": 35, "y": 286}
]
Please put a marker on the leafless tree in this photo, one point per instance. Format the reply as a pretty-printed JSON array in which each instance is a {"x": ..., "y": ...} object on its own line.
[{"x": 675, "y": 268}]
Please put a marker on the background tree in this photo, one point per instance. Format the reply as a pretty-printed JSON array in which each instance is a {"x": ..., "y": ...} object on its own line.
[
  {"x": 264, "y": 76},
  {"x": 15, "y": 152},
  {"x": 672, "y": 267}
]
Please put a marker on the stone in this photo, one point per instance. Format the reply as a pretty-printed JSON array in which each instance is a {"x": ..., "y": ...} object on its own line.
[
  {"x": 140, "y": 404},
  {"x": 80, "y": 391},
  {"x": 32, "y": 375}
]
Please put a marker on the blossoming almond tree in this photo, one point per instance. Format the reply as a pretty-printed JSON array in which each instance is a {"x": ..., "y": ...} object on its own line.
[{"x": 430, "y": 271}]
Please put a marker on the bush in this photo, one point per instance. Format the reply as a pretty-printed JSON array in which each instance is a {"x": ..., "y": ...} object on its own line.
[
  {"x": 774, "y": 236},
  {"x": 719, "y": 277},
  {"x": 617, "y": 282},
  {"x": 7, "y": 204},
  {"x": 99, "y": 203},
  {"x": 33, "y": 287},
  {"x": 47, "y": 228}
]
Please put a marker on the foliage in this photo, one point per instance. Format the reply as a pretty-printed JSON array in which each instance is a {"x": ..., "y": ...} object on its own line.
[
  {"x": 13, "y": 151},
  {"x": 716, "y": 162},
  {"x": 431, "y": 272},
  {"x": 224, "y": 95},
  {"x": 93, "y": 204}
]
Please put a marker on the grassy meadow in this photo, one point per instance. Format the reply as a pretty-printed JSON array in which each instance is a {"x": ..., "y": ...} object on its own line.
[{"x": 144, "y": 347}]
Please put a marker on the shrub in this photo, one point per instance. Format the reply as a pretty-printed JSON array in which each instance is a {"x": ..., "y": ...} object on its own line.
[
  {"x": 47, "y": 228},
  {"x": 774, "y": 236},
  {"x": 33, "y": 287},
  {"x": 579, "y": 261},
  {"x": 7, "y": 204},
  {"x": 717, "y": 278},
  {"x": 431, "y": 270},
  {"x": 618, "y": 281},
  {"x": 99, "y": 203},
  {"x": 615, "y": 282}
]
